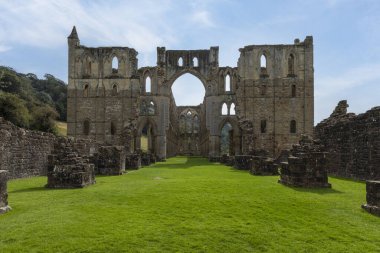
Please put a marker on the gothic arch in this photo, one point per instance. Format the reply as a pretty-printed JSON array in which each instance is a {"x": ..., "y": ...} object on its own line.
[
  {"x": 194, "y": 72},
  {"x": 234, "y": 123}
]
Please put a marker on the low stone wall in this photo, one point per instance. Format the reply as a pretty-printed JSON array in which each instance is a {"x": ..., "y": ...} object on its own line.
[
  {"x": 243, "y": 162},
  {"x": 24, "y": 153},
  {"x": 109, "y": 160},
  {"x": 306, "y": 166},
  {"x": 352, "y": 142},
  {"x": 3, "y": 192},
  {"x": 133, "y": 161},
  {"x": 67, "y": 168},
  {"x": 214, "y": 159},
  {"x": 373, "y": 197},
  {"x": 264, "y": 166}
]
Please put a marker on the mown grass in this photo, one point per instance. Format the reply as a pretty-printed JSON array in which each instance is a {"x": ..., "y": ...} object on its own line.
[
  {"x": 188, "y": 205},
  {"x": 61, "y": 128}
]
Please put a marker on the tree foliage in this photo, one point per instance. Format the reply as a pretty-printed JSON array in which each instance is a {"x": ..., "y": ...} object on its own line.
[{"x": 30, "y": 102}]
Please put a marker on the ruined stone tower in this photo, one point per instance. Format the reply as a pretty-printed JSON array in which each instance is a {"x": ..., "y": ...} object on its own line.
[{"x": 266, "y": 102}]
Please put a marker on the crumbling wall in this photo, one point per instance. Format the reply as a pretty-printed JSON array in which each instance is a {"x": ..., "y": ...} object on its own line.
[
  {"x": 23, "y": 153},
  {"x": 352, "y": 142},
  {"x": 306, "y": 165},
  {"x": 67, "y": 168}
]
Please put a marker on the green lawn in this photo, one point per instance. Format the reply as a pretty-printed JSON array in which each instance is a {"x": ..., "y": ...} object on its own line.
[{"x": 188, "y": 205}]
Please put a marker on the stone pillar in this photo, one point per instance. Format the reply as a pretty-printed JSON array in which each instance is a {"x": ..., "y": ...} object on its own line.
[
  {"x": 3, "y": 192},
  {"x": 214, "y": 148},
  {"x": 373, "y": 197},
  {"x": 161, "y": 147}
]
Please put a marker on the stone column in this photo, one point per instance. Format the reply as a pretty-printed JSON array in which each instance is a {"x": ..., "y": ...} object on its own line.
[
  {"x": 373, "y": 197},
  {"x": 161, "y": 147},
  {"x": 3, "y": 192}
]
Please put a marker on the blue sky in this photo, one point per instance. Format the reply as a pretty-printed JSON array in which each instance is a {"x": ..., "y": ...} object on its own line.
[{"x": 346, "y": 37}]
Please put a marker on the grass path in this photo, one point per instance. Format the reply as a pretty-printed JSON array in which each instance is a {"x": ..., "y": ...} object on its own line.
[{"x": 188, "y": 205}]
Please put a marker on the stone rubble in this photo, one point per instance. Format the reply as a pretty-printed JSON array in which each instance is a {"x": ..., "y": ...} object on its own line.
[
  {"x": 67, "y": 169},
  {"x": 306, "y": 166}
]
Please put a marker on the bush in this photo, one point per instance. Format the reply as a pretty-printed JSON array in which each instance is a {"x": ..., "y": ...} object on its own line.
[
  {"x": 13, "y": 109},
  {"x": 43, "y": 119}
]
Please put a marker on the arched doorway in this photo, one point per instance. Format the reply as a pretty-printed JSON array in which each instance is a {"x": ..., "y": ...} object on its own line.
[
  {"x": 146, "y": 138},
  {"x": 227, "y": 140}
]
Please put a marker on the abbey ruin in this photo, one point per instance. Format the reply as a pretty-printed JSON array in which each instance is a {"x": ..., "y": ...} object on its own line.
[{"x": 266, "y": 102}]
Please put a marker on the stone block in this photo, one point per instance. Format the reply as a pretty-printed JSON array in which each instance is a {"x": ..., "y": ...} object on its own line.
[
  {"x": 243, "y": 162},
  {"x": 3, "y": 192},
  {"x": 133, "y": 161},
  {"x": 373, "y": 197},
  {"x": 306, "y": 166},
  {"x": 110, "y": 160},
  {"x": 263, "y": 166}
]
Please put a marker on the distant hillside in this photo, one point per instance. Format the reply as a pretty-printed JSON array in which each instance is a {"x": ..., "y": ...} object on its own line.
[{"x": 30, "y": 102}]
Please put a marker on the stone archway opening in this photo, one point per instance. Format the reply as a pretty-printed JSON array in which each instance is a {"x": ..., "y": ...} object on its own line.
[
  {"x": 226, "y": 139},
  {"x": 147, "y": 139},
  {"x": 188, "y": 90}
]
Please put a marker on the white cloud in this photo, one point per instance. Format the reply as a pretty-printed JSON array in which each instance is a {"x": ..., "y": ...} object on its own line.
[
  {"x": 4, "y": 48},
  {"x": 203, "y": 18},
  {"x": 46, "y": 24}
]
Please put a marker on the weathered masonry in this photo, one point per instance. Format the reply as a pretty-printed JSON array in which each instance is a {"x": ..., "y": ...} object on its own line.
[{"x": 266, "y": 102}]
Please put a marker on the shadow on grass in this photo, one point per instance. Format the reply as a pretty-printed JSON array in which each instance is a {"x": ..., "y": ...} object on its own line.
[
  {"x": 190, "y": 162},
  {"x": 32, "y": 189},
  {"x": 41, "y": 188},
  {"x": 348, "y": 179},
  {"x": 320, "y": 191}
]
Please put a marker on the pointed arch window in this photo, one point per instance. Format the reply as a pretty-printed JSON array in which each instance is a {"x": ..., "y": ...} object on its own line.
[
  {"x": 263, "y": 61},
  {"x": 151, "y": 108},
  {"x": 148, "y": 85},
  {"x": 85, "y": 90},
  {"x": 180, "y": 62},
  {"x": 113, "y": 128},
  {"x": 114, "y": 90},
  {"x": 232, "y": 109},
  {"x": 263, "y": 126},
  {"x": 88, "y": 67},
  {"x": 196, "y": 124},
  {"x": 224, "y": 109},
  {"x": 195, "y": 62},
  {"x": 294, "y": 91},
  {"x": 86, "y": 127},
  {"x": 293, "y": 127},
  {"x": 115, "y": 64},
  {"x": 263, "y": 90},
  {"x": 227, "y": 85},
  {"x": 263, "y": 66},
  {"x": 291, "y": 66}
]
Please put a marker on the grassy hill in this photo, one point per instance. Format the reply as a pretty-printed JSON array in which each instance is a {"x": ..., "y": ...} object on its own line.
[
  {"x": 30, "y": 102},
  {"x": 188, "y": 205}
]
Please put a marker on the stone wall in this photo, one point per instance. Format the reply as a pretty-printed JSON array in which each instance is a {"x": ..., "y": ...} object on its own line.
[
  {"x": 67, "y": 168},
  {"x": 23, "y": 153},
  {"x": 353, "y": 143}
]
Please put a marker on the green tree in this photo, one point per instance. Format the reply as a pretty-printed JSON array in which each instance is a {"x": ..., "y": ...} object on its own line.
[
  {"x": 43, "y": 119},
  {"x": 13, "y": 109}
]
